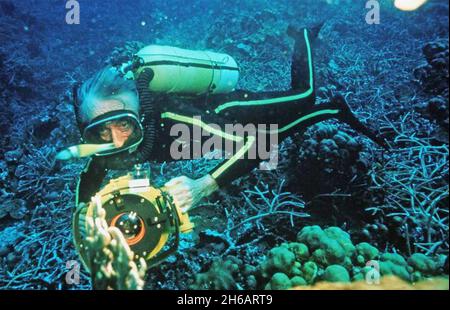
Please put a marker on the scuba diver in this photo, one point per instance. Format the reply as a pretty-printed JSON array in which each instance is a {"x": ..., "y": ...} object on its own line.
[{"x": 124, "y": 107}]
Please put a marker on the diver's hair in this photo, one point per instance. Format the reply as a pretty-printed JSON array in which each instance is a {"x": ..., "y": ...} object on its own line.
[{"x": 107, "y": 84}]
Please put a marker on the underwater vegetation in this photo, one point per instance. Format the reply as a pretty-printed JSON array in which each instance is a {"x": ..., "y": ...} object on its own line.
[
  {"x": 110, "y": 259},
  {"x": 336, "y": 201}
]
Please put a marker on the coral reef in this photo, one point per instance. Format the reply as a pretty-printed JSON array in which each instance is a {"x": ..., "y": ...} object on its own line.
[
  {"x": 323, "y": 255},
  {"x": 327, "y": 161},
  {"x": 433, "y": 79},
  {"x": 433, "y": 76},
  {"x": 328, "y": 166}
]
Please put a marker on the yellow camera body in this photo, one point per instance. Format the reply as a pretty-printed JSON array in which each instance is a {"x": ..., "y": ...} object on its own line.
[{"x": 145, "y": 215}]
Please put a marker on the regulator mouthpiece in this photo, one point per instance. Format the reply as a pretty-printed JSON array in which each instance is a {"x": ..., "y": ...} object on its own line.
[{"x": 84, "y": 150}]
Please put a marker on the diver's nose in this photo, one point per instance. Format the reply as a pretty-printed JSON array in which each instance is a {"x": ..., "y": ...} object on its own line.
[{"x": 117, "y": 137}]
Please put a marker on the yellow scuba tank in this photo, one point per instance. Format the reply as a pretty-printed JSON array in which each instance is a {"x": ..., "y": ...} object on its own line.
[{"x": 182, "y": 71}]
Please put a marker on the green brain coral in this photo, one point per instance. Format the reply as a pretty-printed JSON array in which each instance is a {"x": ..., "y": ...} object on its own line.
[
  {"x": 298, "y": 281},
  {"x": 329, "y": 246},
  {"x": 423, "y": 264},
  {"x": 366, "y": 253},
  {"x": 300, "y": 250},
  {"x": 336, "y": 273},
  {"x": 280, "y": 259},
  {"x": 394, "y": 264},
  {"x": 279, "y": 281},
  {"x": 310, "y": 272}
]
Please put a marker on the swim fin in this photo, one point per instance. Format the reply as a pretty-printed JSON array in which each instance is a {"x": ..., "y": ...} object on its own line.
[
  {"x": 295, "y": 33},
  {"x": 346, "y": 115}
]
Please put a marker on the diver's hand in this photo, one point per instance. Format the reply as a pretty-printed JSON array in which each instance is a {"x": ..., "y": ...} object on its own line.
[{"x": 187, "y": 192}]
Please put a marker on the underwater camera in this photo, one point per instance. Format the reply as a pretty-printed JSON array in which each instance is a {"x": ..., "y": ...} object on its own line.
[{"x": 147, "y": 217}]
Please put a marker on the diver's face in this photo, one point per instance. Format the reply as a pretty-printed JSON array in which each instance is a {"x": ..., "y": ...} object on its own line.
[{"x": 117, "y": 131}]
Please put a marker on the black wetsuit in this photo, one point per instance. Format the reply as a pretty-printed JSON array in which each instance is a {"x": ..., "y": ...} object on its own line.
[{"x": 292, "y": 110}]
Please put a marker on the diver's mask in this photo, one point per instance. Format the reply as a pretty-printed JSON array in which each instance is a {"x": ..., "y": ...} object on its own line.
[
  {"x": 97, "y": 143},
  {"x": 98, "y": 131}
]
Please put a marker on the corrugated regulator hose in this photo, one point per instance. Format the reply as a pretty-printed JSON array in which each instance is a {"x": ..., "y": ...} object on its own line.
[{"x": 147, "y": 111}]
